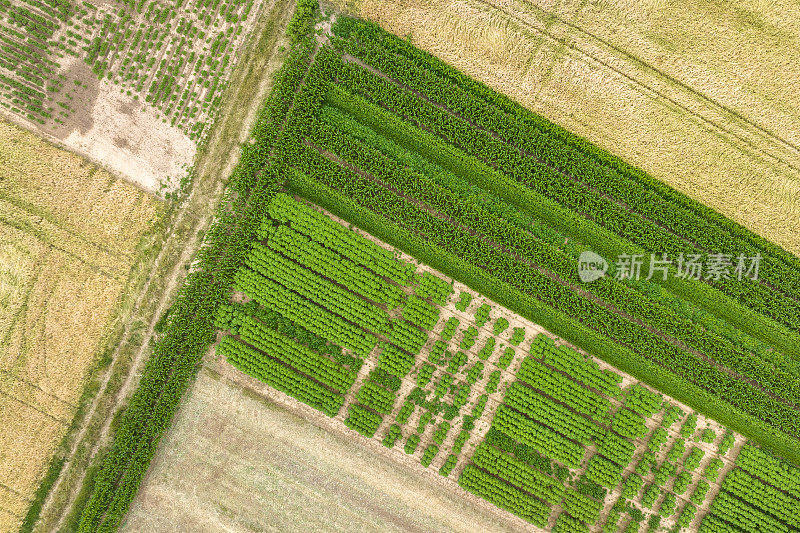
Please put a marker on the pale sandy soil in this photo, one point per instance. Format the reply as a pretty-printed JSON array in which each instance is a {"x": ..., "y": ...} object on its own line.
[
  {"x": 236, "y": 463},
  {"x": 128, "y": 137},
  {"x": 122, "y": 135}
]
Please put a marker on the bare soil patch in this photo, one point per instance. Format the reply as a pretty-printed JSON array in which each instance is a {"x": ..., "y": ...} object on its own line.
[
  {"x": 131, "y": 139},
  {"x": 232, "y": 462}
]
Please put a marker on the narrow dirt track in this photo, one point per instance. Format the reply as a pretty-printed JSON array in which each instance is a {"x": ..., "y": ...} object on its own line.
[{"x": 189, "y": 224}]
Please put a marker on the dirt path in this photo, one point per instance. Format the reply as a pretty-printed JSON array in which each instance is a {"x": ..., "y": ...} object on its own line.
[{"x": 260, "y": 60}]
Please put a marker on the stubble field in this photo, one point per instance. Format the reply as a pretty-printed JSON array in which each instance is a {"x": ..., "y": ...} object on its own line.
[
  {"x": 234, "y": 462},
  {"x": 69, "y": 236}
]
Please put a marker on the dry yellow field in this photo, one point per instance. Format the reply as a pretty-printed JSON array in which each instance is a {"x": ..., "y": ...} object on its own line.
[
  {"x": 69, "y": 236},
  {"x": 238, "y": 463},
  {"x": 702, "y": 95}
]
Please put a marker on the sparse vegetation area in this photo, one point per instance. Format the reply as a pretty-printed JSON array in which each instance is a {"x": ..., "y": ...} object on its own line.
[{"x": 175, "y": 57}]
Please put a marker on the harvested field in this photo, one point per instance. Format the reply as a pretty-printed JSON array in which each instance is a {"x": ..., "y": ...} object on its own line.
[
  {"x": 69, "y": 236},
  {"x": 701, "y": 96},
  {"x": 232, "y": 462}
]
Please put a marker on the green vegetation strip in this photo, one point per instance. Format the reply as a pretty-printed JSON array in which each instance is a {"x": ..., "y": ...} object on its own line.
[{"x": 190, "y": 329}]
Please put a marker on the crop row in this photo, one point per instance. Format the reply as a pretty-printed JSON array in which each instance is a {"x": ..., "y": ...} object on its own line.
[
  {"x": 304, "y": 312},
  {"x": 762, "y": 496},
  {"x": 346, "y": 187},
  {"x": 744, "y": 516},
  {"x": 434, "y": 287},
  {"x": 394, "y": 360},
  {"x": 322, "y": 229},
  {"x": 495, "y": 112},
  {"x": 503, "y": 495},
  {"x": 550, "y": 413},
  {"x": 625, "y": 298},
  {"x": 404, "y": 335},
  {"x": 280, "y": 376},
  {"x": 642, "y": 401},
  {"x": 376, "y": 397},
  {"x": 296, "y": 355},
  {"x": 629, "y": 424},
  {"x": 315, "y": 288},
  {"x": 559, "y": 386},
  {"x": 582, "y": 507},
  {"x": 600, "y": 198},
  {"x": 533, "y": 434},
  {"x": 334, "y": 266},
  {"x": 681, "y": 309},
  {"x": 362, "y": 420},
  {"x": 604, "y": 472},
  {"x": 615, "y": 448},
  {"x": 576, "y": 365},
  {"x": 421, "y": 313},
  {"x": 518, "y": 473},
  {"x": 569, "y": 524},
  {"x": 775, "y": 471}
]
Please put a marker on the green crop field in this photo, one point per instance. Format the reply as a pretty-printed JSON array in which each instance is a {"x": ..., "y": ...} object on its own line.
[
  {"x": 457, "y": 386},
  {"x": 398, "y": 249}
]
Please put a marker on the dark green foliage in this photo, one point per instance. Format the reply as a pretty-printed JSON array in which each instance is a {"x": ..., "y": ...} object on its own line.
[
  {"x": 591, "y": 489},
  {"x": 520, "y": 451},
  {"x": 362, "y": 420},
  {"x": 464, "y": 299}
]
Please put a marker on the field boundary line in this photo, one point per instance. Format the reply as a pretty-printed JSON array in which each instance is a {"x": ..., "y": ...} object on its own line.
[{"x": 200, "y": 223}]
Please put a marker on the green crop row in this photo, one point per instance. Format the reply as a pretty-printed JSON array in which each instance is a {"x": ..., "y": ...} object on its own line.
[
  {"x": 295, "y": 355},
  {"x": 339, "y": 190},
  {"x": 190, "y": 328},
  {"x": 653, "y": 215},
  {"x": 280, "y": 376},
  {"x": 504, "y": 495},
  {"x": 625, "y": 298},
  {"x": 337, "y": 178}
]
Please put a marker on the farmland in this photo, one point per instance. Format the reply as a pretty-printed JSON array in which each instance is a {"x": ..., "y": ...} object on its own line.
[
  {"x": 472, "y": 403},
  {"x": 71, "y": 234},
  {"x": 139, "y": 101},
  {"x": 700, "y": 95},
  {"x": 395, "y": 258},
  {"x": 321, "y": 481}
]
